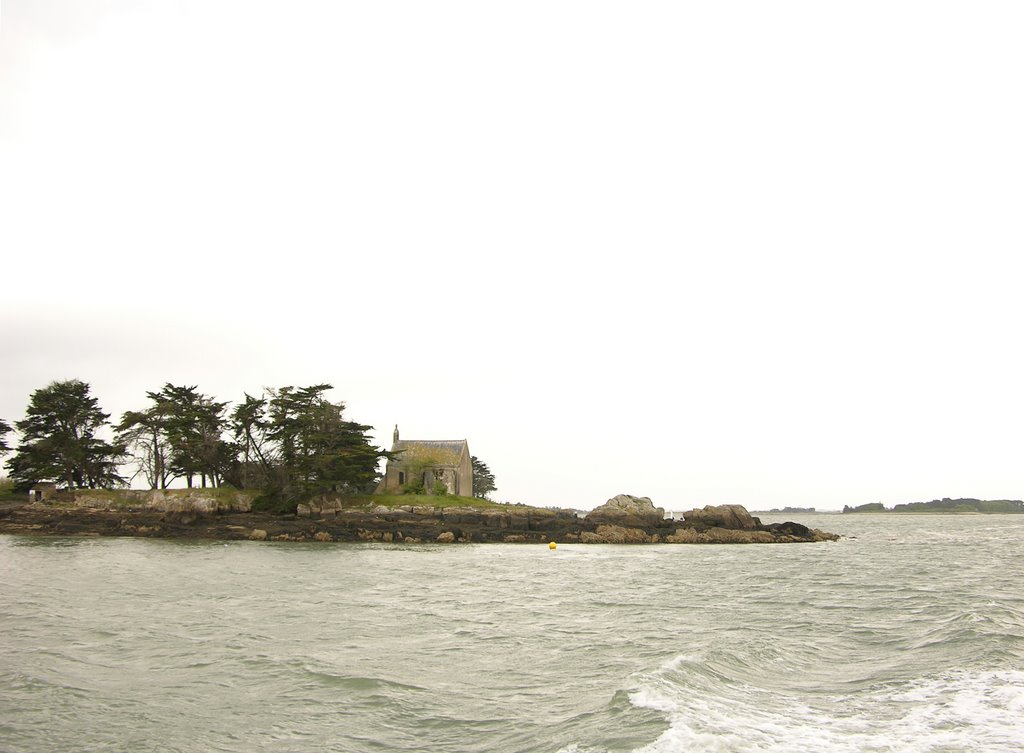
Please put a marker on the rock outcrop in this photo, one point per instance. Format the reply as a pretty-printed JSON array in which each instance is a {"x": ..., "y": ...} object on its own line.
[
  {"x": 615, "y": 535},
  {"x": 321, "y": 507},
  {"x": 627, "y": 511},
  {"x": 192, "y": 514},
  {"x": 734, "y": 536},
  {"x": 733, "y": 517}
]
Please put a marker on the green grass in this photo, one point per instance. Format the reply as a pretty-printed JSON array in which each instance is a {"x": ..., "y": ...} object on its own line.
[
  {"x": 7, "y": 493},
  {"x": 219, "y": 493},
  {"x": 398, "y": 500},
  {"x": 125, "y": 498}
]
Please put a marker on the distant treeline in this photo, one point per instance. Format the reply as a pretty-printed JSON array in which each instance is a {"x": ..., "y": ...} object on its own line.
[{"x": 947, "y": 505}]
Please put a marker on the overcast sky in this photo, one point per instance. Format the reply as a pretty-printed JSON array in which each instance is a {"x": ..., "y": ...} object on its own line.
[{"x": 765, "y": 253}]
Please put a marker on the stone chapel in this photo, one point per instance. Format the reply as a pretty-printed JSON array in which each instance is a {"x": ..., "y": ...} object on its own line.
[{"x": 429, "y": 462}]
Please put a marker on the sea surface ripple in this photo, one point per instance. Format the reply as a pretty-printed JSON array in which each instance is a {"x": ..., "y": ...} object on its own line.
[{"x": 906, "y": 635}]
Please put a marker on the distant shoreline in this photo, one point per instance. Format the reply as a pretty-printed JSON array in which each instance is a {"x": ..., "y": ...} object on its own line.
[
  {"x": 930, "y": 512},
  {"x": 791, "y": 511},
  {"x": 945, "y": 506}
]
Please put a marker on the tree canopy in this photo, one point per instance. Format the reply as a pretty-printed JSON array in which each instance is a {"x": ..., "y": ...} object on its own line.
[{"x": 59, "y": 442}]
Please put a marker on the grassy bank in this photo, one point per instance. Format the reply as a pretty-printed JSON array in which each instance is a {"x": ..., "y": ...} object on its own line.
[
  {"x": 7, "y": 493},
  {"x": 398, "y": 500},
  {"x": 114, "y": 499}
]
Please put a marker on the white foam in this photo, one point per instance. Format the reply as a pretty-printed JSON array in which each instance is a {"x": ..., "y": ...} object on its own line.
[
  {"x": 676, "y": 662},
  {"x": 981, "y": 712},
  {"x": 648, "y": 698}
]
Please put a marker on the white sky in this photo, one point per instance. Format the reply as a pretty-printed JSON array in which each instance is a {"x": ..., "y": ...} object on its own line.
[{"x": 765, "y": 253}]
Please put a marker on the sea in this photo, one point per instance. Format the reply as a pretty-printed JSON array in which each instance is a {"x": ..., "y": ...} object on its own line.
[{"x": 905, "y": 635}]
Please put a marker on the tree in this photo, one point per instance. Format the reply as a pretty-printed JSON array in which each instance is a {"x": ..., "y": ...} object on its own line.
[
  {"x": 194, "y": 426},
  {"x": 483, "y": 479},
  {"x": 316, "y": 448},
  {"x": 180, "y": 434},
  {"x": 59, "y": 442},
  {"x": 215, "y": 455},
  {"x": 144, "y": 434},
  {"x": 5, "y": 429},
  {"x": 249, "y": 427}
]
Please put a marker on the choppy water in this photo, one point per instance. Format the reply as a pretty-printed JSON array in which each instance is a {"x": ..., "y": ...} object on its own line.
[{"x": 909, "y": 637}]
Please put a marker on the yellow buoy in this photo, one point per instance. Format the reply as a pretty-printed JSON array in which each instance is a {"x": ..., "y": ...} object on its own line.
[{"x": 552, "y": 545}]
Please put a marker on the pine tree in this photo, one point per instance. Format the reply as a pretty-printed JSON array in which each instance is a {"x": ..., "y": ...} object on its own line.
[
  {"x": 317, "y": 449},
  {"x": 59, "y": 442},
  {"x": 179, "y": 435},
  {"x": 144, "y": 434},
  {"x": 483, "y": 479},
  {"x": 249, "y": 427}
]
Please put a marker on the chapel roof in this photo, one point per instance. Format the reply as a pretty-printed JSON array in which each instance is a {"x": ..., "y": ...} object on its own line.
[{"x": 435, "y": 451}]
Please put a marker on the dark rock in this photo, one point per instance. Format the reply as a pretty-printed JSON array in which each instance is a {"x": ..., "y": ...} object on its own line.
[
  {"x": 609, "y": 534},
  {"x": 790, "y": 529},
  {"x": 733, "y": 517},
  {"x": 180, "y": 517},
  {"x": 627, "y": 511}
]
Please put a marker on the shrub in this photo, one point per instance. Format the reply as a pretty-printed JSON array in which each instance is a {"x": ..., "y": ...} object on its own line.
[
  {"x": 413, "y": 487},
  {"x": 274, "y": 502}
]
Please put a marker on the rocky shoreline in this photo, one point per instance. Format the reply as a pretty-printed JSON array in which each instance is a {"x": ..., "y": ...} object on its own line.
[{"x": 622, "y": 520}]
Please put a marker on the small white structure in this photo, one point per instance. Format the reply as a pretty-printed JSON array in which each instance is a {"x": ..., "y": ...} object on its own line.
[{"x": 41, "y": 490}]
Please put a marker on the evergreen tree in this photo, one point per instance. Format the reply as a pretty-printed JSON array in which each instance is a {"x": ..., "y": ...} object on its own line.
[
  {"x": 249, "y": 427},
  {"x": 317, "y": 449},
  {"x": 59, "y": 442},
  {"x": 179, "y": 435},
  {"x": 144, "y": 434},
  {"x": 183, "y": 429},
  {"x": 483, "y": 479}
]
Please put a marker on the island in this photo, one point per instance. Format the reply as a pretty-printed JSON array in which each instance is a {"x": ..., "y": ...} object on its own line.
[
  {"x": 945, "y": 505},
  {"x": 229, "y": 514},
  {"x": 289, "y": 466}
]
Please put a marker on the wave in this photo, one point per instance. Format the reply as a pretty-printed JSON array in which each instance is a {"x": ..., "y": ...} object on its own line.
[{"x": 949, "y": 712}]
